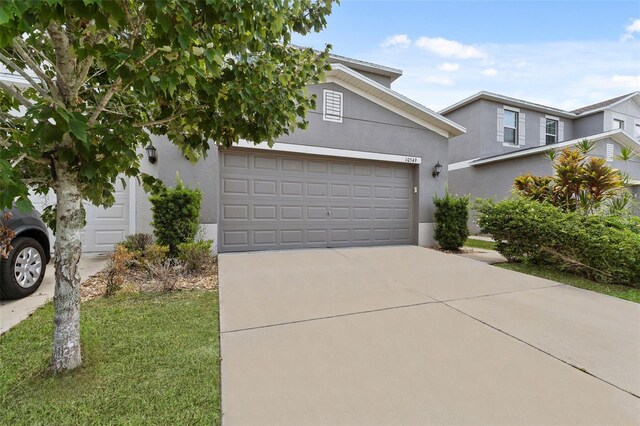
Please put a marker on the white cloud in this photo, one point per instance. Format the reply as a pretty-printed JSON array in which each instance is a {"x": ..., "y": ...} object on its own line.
[
  {"x": 449, "y": 48},
  {"x": 448, "y": 67},
  {"x": 626, "y": 81},
  {"x": 441, "y": 81},
  {"x": 521, "y": 64},
  {"x": 631, "y": 29},
  {"x": 489, "y": 72},
  {"x": 398, "y": 40}
]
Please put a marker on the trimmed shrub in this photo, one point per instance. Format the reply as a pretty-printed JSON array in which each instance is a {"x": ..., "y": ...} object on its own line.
[
  {"x": 452, "y": 214},
  {"x": 196, "y": 256},
  {"x": 175, "y": 216},
  {"x": 138, "y": 242},
  {"x": 602, "y": 248}
]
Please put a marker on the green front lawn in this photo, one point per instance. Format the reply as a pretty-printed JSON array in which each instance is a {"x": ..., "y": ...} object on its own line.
[
  {"x": 148, "y": 359},
  {"x": 620, "y": 291},
  {"x": 480, "y": 244}
]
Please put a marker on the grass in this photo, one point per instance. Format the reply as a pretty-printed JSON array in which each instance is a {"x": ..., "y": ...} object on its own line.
[
  {"x": 480, "y": 244},
  {"x": 623, "y": 292},
  {"x": 148, "y": 359}
]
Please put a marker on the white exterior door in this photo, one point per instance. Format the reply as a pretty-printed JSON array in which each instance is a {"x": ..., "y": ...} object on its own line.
[{"x": 105, "y": 227}]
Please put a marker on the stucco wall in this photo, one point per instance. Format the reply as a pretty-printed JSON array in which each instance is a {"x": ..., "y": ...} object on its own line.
[
  {"x": 627, "y": 111},
  {"x": 481, "y": 140},
  {"x": 588, "y": 125},
  {"x": 366, "y": 126}
]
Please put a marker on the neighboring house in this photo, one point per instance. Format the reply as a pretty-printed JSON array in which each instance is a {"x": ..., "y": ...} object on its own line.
[
  {"x": 361, "y": 174},
  {"x": 507, "y": 137}
]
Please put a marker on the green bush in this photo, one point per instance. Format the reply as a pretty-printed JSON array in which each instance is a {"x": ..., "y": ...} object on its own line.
[
  {"x": 138, "y": 242},
  {"x": 452, "y": 214},
  {"x": 176, "y": 214},
  {"x": 603, "y": 248},
  {"x": 197, "y": 255}
]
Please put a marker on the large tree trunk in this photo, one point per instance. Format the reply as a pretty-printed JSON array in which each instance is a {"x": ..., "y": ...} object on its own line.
[{"x": 68, "y": 248}]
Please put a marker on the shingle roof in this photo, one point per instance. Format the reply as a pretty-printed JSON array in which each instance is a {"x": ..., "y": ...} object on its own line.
[{"x": 602, "y": 104}]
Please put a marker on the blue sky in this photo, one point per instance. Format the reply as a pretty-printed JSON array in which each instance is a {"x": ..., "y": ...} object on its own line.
[{"x": 561, "y": 53}]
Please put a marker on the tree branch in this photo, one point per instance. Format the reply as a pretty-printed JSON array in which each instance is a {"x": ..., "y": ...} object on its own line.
[
  {"x": 85, "y": 66},
  {"x": 105, "y": 100},
  {"x": 147, "y": 56},
  {"x": 64, "y": 62},
  {"x": 25, "y": 75},
  {"x": 157, "y": 122},
  {"x": 19, "y": 46},
  {"x": 18, "y": 160},
  {"x": 16, "y": 94}
]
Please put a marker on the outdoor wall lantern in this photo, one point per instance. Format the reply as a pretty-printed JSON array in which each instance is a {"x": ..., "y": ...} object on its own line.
[
  {"x": 437, "y": 169},
  {"x": 152, "y": 154}
]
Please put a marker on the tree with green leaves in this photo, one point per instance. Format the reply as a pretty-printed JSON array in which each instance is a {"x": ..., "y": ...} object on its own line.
[{"x": 104, "y": 74}]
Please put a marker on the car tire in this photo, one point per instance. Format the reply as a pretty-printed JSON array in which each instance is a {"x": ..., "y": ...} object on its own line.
[{"x": 23, "y": 271}]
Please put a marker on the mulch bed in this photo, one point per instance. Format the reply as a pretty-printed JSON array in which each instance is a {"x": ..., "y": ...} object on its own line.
[{"x": 138, "y": 279}]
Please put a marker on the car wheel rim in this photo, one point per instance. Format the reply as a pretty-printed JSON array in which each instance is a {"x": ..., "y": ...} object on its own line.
[{"x": 28, "y": 267}]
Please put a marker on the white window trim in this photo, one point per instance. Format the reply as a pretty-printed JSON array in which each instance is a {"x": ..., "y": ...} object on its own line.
[
  {"x": 617, "y": 117},
  {"x": 516, "y": 144},
  {"x": 325, "y": 116},
  {"x": 557, "y": 135}
]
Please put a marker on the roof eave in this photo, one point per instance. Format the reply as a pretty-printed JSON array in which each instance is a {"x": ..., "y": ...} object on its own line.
[
  {"x": 507, "y": 100},
  {"x": 618, "y": 135},
  {"x": 421, "y": 112}
]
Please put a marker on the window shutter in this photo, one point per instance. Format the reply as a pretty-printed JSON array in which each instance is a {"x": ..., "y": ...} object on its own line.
[
  {"x": 543, "y": 131},
  {"x": 609, "y": 152},
  {"x": 500, "y": 125},
  {"x": 521, "y": 127},
  {"x": 560, "y": 131}
]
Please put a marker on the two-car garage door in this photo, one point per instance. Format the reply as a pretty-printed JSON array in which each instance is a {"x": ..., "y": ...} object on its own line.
[{"x": 278, "y": 201}]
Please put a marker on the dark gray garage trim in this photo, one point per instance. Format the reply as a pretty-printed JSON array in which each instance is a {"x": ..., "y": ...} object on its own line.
[{"x": 272, "y": 201}]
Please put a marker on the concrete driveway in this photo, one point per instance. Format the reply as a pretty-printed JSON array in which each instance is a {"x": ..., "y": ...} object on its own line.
[
  {"x": 12, "y": 312},
  {"x": 407, "y": 335}
]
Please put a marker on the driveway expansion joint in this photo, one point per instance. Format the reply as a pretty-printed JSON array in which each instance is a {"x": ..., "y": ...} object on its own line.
[
  {"x": 581, "y": 369},
  {"x": 389, "y": 308}
]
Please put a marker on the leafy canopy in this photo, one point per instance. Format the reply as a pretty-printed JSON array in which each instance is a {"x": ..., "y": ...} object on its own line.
[{"x": 103, "y": 71}]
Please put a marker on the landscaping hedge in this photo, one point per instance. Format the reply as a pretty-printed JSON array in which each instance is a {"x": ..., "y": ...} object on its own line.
[
  {"x": 176, "y": 213},
  {"x": 451, "y": 215},
  {"x": 603, "y": 248}
]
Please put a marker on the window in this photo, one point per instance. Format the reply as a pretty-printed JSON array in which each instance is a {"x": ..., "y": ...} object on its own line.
[
  {"x": 637, "y": 135},
  {"x": 332, "y": 106},
  {"x": 618, "y": 124},
  {"x": 551, "y": 131},
  {"x": 510, "y": 127}
]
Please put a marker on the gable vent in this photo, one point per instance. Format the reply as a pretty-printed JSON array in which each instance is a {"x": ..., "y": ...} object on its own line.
[{"x": 332, "y": 106}]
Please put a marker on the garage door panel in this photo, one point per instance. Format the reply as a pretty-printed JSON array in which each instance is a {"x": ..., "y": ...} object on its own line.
[
  {"x": 235, "y": 186},
  {"x": 265, "y": 187},
  {"x": 264, "y": 212},
  {"x": 309, "y": 201},
  {"x": 269, "y": 237}
]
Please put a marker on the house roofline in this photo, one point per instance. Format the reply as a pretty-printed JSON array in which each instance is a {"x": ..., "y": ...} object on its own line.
[
  {"x": 359, "y": 65},
  {"x": 533, "y": 106},
  {"x": 394, "y": 101},
  {"x": 600, "y": 109},
  {"x": 617, "y": 135},
  {"x": 506, "y": 99}
]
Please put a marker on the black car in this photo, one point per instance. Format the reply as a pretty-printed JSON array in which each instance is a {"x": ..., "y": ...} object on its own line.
[{"x": 23, "y": 271}]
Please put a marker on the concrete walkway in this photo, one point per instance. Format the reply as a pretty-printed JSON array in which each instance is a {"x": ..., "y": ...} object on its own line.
[
  {"x": 12, "y": 312},
  {"x": 406, "y": 335}
]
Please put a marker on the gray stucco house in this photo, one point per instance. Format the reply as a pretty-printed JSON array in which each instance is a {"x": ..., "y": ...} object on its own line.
[
  {"x": 507, "y": 137},
  {"x": 361, "y": 174}
]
